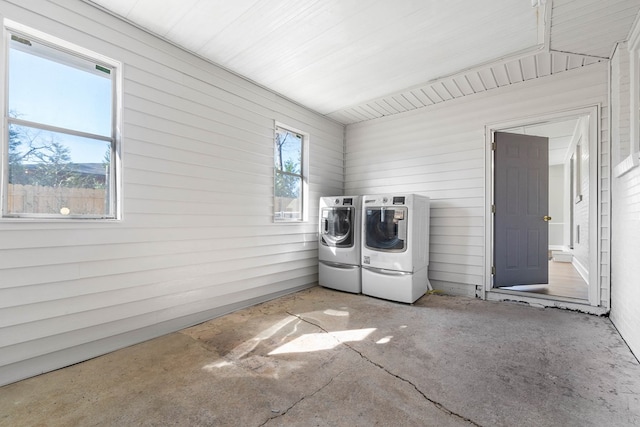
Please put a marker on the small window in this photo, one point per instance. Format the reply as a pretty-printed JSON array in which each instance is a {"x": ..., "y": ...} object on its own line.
[
  {"x": 60, "y": 150},
  {"x": 290, "y": 181}
]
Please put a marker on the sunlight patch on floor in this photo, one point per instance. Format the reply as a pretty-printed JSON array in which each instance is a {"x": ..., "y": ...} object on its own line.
[{"x": 322, "y": 341}]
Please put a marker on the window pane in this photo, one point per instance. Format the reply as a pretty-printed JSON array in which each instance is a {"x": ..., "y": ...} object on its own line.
[
  {"x": 288, "y": 200},
  {"x": 55, "y": 88},
  {"x": 56, "y": 173},
  {"x": 288, "y": 151}
]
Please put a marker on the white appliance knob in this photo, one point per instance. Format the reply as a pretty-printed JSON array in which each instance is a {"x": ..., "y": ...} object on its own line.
[
  {"x": 385, "y": 200},
  {"x": 337, "y": 202}
]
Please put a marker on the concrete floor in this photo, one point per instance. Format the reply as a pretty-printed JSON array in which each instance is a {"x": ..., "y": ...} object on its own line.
[{"x": 326, "y": 358}]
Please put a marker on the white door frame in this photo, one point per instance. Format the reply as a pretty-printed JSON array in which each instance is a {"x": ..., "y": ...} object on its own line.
[{"x": 592, "y": 112}]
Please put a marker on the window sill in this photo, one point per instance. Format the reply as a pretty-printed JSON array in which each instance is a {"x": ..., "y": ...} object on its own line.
[
  {"x": 52, "y": 220},
  {"x": 626, "y": 165}
]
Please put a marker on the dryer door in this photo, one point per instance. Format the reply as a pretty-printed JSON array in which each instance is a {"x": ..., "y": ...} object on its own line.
[
  {"x": 386, "y": 229},
  {"x": 337, "y": 227}
]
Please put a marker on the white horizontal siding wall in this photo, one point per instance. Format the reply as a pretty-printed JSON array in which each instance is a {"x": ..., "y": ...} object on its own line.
[
  {"x": 625, "y": 233},
  {"x": 439, "y": 151},
  {"x": 197, "y": 237}
]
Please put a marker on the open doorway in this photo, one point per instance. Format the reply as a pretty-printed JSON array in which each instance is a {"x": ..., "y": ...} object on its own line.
[{"x": 572, "y": 243}]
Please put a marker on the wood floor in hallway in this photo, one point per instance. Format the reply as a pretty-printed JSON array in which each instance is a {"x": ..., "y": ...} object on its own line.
[{"x": 564, "y": 281}]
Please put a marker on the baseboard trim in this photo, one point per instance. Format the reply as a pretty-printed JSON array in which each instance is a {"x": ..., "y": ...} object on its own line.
[{"x": 581, "y": 269}]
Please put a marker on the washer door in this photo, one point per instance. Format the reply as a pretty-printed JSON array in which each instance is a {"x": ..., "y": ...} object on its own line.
[
  {"x": 336, "y": 227},
  {"x": 386, "y": 229}
]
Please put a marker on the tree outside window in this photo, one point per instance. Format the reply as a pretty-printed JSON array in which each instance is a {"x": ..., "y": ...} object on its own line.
[
  {"x": 43, "y": 178},
  {"x": 288, "y": 175},
  {"x": 60, "y": 134}
]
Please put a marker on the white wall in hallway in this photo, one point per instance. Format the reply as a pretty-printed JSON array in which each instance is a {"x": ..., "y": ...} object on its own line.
[
  {"x": 556, "y": 205},
  {"x": 439, "y": 151},
  {"x": 581, "y": 229},
  {"x": 197, "y": 237}
]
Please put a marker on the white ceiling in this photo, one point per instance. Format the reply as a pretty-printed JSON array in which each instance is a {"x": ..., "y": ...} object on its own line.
[{"x": 355, "y": 60}]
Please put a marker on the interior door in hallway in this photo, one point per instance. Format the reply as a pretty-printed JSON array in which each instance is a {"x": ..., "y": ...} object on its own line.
[{"x": 521, "y": 239}]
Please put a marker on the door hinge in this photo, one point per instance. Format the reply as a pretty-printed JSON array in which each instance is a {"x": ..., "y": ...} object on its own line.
[
  {"x": 493, "y": 208},
  {"x": 493, "y": 146},
  {"x": 493, "y": 270}
]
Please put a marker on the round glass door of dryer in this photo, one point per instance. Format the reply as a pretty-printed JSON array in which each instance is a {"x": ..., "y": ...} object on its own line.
[
  {"x": 386, "y": 229},
  {"x": 336, "y": 227}
]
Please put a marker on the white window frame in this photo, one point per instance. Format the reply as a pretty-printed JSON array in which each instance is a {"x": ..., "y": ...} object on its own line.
[
  {"x": 631, "y": 161},
  {"x": 304, "y": 174},
  {"x": 115, "y": 176}
]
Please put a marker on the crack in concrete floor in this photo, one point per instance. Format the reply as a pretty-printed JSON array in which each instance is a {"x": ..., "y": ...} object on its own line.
[
  {"x": 283, "y": 413},
  {"x": 500, "y": 364},
  {"x": 437, "y": 404}
]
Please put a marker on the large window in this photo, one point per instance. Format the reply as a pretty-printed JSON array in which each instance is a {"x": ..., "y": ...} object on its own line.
[
  {"x": 60, "y": 150},
  {"x": 290, "y": 172}
]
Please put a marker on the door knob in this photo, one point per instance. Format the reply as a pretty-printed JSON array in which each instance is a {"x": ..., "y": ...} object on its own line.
[{"x": 546, "y": 218}]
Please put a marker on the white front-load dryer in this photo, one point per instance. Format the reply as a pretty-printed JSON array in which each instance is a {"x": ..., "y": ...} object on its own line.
[
  {"x": 395, "y": 246},
  {"x": 339, "y": 243}
]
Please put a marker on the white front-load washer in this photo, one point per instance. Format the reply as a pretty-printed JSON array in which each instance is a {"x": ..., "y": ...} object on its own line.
[
  {"x": 339, "y": 243},
  {"x": 395, "y": 246}
]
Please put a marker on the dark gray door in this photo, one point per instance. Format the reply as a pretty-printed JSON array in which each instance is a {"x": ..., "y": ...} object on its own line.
[{"x": 521, "y": 234}]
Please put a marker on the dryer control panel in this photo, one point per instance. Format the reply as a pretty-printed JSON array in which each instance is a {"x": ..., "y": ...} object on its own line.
[{"x": 388, "y": 200}]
